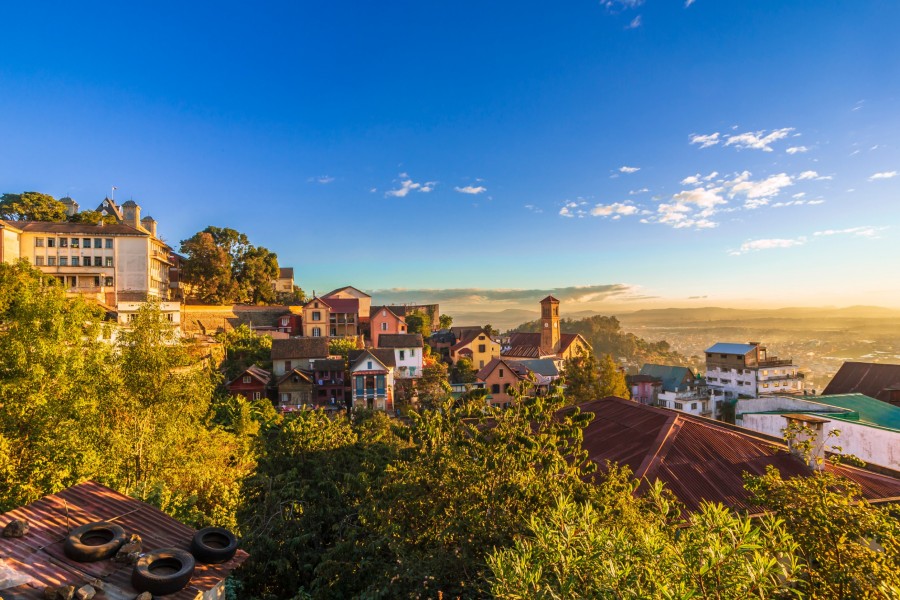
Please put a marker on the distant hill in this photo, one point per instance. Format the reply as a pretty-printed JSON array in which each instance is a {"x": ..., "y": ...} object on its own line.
[{"x": 659, "y": 316}]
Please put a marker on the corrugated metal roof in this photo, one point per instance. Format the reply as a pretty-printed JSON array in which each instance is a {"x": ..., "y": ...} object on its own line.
[
  {"x": 699, "y": 459},
  {"x": 400, "y": 340},
  {"x": 40, "y": 554},
  {"x": 871, "y": 379},
  {"x": 673, "y": 378},
  {"x": 300, "y": 347},
  {"x": 725, "y": 348}
]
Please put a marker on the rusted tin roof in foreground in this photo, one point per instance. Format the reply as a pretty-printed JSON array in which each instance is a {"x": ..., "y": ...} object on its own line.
[
  {"x": 699, "y": 459},
  {"x": 872, "y": 379},
  {"x": 39, "y": 554}
]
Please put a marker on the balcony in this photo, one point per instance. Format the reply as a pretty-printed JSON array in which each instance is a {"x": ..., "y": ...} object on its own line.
[{"x": 775, "y": 362}]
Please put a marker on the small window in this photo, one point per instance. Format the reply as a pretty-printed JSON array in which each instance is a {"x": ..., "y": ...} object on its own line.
[
  {"x": 369, "y": 365},
  {"x": 765, "y": 385},
  {"x": 39, "y": 261},
  {"x": 51, "y": 261},
  {"x": 86, "y": 242},
  {"x": 64, "y": 261},
  {"x": 98, "y": 243},
  {"x": 723, "y": 355},
  {"x": 481, "y": 337},
  {"x": 256, "y": 395},
  {"x": 679, "y": 406},
  {"x": 412, "y": 352},
  {"x": 506, "y": 387},
  {"x": 482, "y": 347},
  {"x": 109, "y": 261},
  {"x": 75, "y": 243},
  {"x": 316, "y": 316},
  {"x": 247, "y": 379},
  {"x": 693, "y": 406},
  {"x": 63, "y": 242},
  {"x": 109, "y": 281},
  {"x": 402, "y": 354},
  {"x": 317, "y": 332},
  {"x": 51, "y": 243},
  {"x": 39, "y": 242},
  {"x": 384, "y": 326},
  {"x": 495, "y": 388},
  {"x": 108, "y": 243},
  {"x": 501, "y": 373},
  {"x": 75, "y": 261}
]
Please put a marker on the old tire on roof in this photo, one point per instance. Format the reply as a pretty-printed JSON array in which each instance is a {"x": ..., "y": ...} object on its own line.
[
  {"x": 214, "y": 545},
  {"x": 94, "y": 541},
  {"x": 163, "y": 571}
]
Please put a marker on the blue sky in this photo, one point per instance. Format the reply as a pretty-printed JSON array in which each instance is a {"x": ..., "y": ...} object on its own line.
[{"x": 627, "y": 153}]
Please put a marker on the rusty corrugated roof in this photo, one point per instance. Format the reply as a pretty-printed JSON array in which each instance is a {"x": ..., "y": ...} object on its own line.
[
  {"x": 699, "y": 459},
  {"x": 40, "y": 554},
  {"x": 872, "y": 379}
]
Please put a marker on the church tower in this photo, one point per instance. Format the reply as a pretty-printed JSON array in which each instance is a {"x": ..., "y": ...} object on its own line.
[{"x": 550, "y": 325}]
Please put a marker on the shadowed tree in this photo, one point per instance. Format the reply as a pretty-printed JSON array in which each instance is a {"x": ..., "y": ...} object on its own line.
[{"x": 31, "y": 206}]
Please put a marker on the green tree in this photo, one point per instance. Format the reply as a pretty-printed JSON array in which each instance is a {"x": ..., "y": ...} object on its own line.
[
  {"x": 432, "y": 387},
  {"x": 31, "y": 206},
  {"x": 463, "y": 371},
  {"x": 255, "y": 272},
  {"x": 92, "y": 217},
  {"x": 418, "y": 322},
  {"x": 207, "y": 269},
  {"x": 244, "y": 348},
  {"x": 342, "y": 346},
  {"x": 612, "y": 379},
  {"x": 489, "y": 329},
  {"x": 581, "y": 378},
  {"x": 445, "y": 321}
]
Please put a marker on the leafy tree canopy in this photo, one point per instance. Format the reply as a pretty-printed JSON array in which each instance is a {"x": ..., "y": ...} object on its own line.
[
  {"x": 31, "y": 206},
  {"x": 582, "y": 379}
]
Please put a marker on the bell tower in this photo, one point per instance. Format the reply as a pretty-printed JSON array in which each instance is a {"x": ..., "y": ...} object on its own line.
[{"x": 550, "y": 324}]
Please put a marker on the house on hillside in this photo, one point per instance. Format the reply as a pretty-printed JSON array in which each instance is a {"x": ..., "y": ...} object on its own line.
[
  {"x": 549, "y": 342},
  {"x": 252, "y": 383},
  {"x": 747, "y": 371},
  {"x": 680, "y": 389},
  {"x": 295, "y": 390},
  {"x": 644, "y": 388},
  {"x": 363, "y": 302},
  {"x": 316, "y": 316},
  {"x": 501, "y": 378},
  {"x": 285, "y": 282},
  {"x": 383, "y": 320},
  {"x": 372, "y": 379},
  {"x": 297, "y": 353},
  {"x": 332, "y": 384},
  {"x": 476, "y": 344},
  {"x": 878, "y": 381},
  {"x": 408, "y": 351}
]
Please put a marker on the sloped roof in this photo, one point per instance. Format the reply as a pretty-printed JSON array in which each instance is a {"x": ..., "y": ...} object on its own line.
[
  {"x": 467, "y": 336},
  {"x": 550, "y": 299},
  {"x": 328, "y": 364},
  {"x": 699, "y": 459},
  {"x": 672, "y": 377},
  {"x": 400, "y": 340},
  {"x": 77, "y": 228},
  {"x": 285, "y": 272},
  {"x": 383, "y": 356},
  {"x": 40, "y": 555},
  {"x": 528, "y": 345},
  {"x": 726, "y": 348},
  {"x": 300, "y": 347},
  {"x": 866, "y": 410},
  {"x": 375, "y": 309},
  {"x": 359, "y": 292},
  {"x": 257, "y": 373},
  {"x": 872, "y": 379},
  {"x": 304, "y": 376},
  {"x": 542, "y": 366},
  {"x": 319, "y": 300},
  {"x": 495, "y": 362},
  {"x": 110, "y": 207},
  {"x": 344, "y": 305}
]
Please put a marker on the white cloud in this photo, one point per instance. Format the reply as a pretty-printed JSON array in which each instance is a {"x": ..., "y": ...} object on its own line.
[
  {"x": 796, "y": 149},
  {"x": 768, "y": 244},
  {"x": 807, "y": 175},
  {"x": 640, "y": 191},
  {"x": 883, "y": 175},
  {"x": 635, "y": 23},
  {"x": 798, "y": 195},
  {"x": 688, "y": 2},
  {"x": 865, "y": 231},
  {"x": 573, "y": 209},
  {"x": 705, "y": 141},
  {"x": 625, "y": 169},
  {"x": 814, "y": 202},
  {"x": 759, "y": 140},
  {"x": 765, "y": 188},
  {"x": 711, "y": 176},
  {"x": 471, "y": 189},
  {"x": 407, "y": 185},
  {"x": 691, "y": 180},
  {"x": 323, "y": 179},
  {"x": 614, "y": 210}
]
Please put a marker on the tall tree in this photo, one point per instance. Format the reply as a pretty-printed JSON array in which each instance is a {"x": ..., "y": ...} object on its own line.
[
  {"x": 418, "y": 322},
  {"x": 463, "y": 371},
  {"x": 612, "y": 379},
  {"x": 582, "y": 379},
  {"x": 31, "y": 206},
  {"x": 445, "y": 321},
  {"x": 207, "y": 269},
  {"x": 255, "y": 272}
]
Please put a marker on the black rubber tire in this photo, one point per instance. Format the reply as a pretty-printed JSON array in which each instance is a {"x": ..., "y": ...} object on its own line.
[
  {"x": 214, "y": 545},
  {"x": 75, "y": 548},
  {"x": 145, "y": 580}
]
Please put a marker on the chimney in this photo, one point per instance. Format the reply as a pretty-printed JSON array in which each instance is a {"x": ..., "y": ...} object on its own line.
[
  {"x": 149, "y": 224},
  {"x": 808, "y": 439},
  {"x": 132, "y": 214}
]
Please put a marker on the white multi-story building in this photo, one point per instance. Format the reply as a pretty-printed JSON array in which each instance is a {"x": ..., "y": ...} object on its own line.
[
  {"x": 408, "y": 349},
  {"x": 110, "y": 263},
  {"x": 746, "y": 371}
]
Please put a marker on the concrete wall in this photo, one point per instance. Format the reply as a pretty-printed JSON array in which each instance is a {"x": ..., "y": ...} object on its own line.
[
  {"x": 9, "y": 250},
  {"x": 870, "y": 444},
  {"x": 132, "y": 262}
]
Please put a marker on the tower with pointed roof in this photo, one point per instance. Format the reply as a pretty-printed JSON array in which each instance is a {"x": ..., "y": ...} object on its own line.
[{"x": 550, "y": 325}]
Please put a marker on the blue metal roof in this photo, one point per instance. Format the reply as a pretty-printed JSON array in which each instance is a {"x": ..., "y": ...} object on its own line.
[{"x": 722, "y": 348}]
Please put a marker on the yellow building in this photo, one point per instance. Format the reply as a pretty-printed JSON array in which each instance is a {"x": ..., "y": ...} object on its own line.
[{"x": 477, "y": 345}]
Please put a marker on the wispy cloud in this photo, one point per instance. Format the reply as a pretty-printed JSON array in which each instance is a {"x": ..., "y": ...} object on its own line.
[
  {"x": 865, "y": 231},
  {"x": 768, "y": 244},
  {"x": 615, "y": 210},
  {"x": 323, "y": 179},
  {"x": 758, "y": 192},
  {"x": 796, "y": 149},
  {"x": 574, "y": 209},
  {"x": 626, "y": 169},
  {"x": 470, "y": 189},
  {"x": 883, "y": 175},
  {"x": 407, "y": 185},
  {"x": 640, "y": 191},
  {"x": 687, "y": 3},
  {"x": 534, "y": 209},
  {"x": 705, "y": 141},
  {"x": 635, "y": 23},
  {"x": 759, "y": 140},
  {"x": 691, "y": 209}
]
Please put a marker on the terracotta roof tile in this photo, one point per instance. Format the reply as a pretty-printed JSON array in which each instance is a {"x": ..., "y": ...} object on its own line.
[
  {"x": 300, "y": 347},
  {"x": 400, "y": 340}
]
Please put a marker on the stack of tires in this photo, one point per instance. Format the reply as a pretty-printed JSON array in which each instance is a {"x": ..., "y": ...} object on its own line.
[{"x": 160, "y": 572}]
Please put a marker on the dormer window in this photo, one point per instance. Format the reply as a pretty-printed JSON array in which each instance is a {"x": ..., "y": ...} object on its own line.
[{"x": 369, "y": 365}]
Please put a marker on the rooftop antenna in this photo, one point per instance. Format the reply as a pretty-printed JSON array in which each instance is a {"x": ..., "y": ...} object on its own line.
[{"x": 112, "y": 193}]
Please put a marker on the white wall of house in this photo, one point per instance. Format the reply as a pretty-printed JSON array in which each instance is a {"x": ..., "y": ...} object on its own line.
[
  {"x": 10, "y": 245},
  {"x": 734, "y": 382},
  {"x": 686, "y": 401},
  {"x": 409, "y": 362},
  {"x": 133, "y": 264},
  {"x": 169, "y": 310}
]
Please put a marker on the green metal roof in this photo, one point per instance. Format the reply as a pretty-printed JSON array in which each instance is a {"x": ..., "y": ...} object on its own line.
[
  {"x": 672, "y": 377},
  {"x": 867, "y": 410}
]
